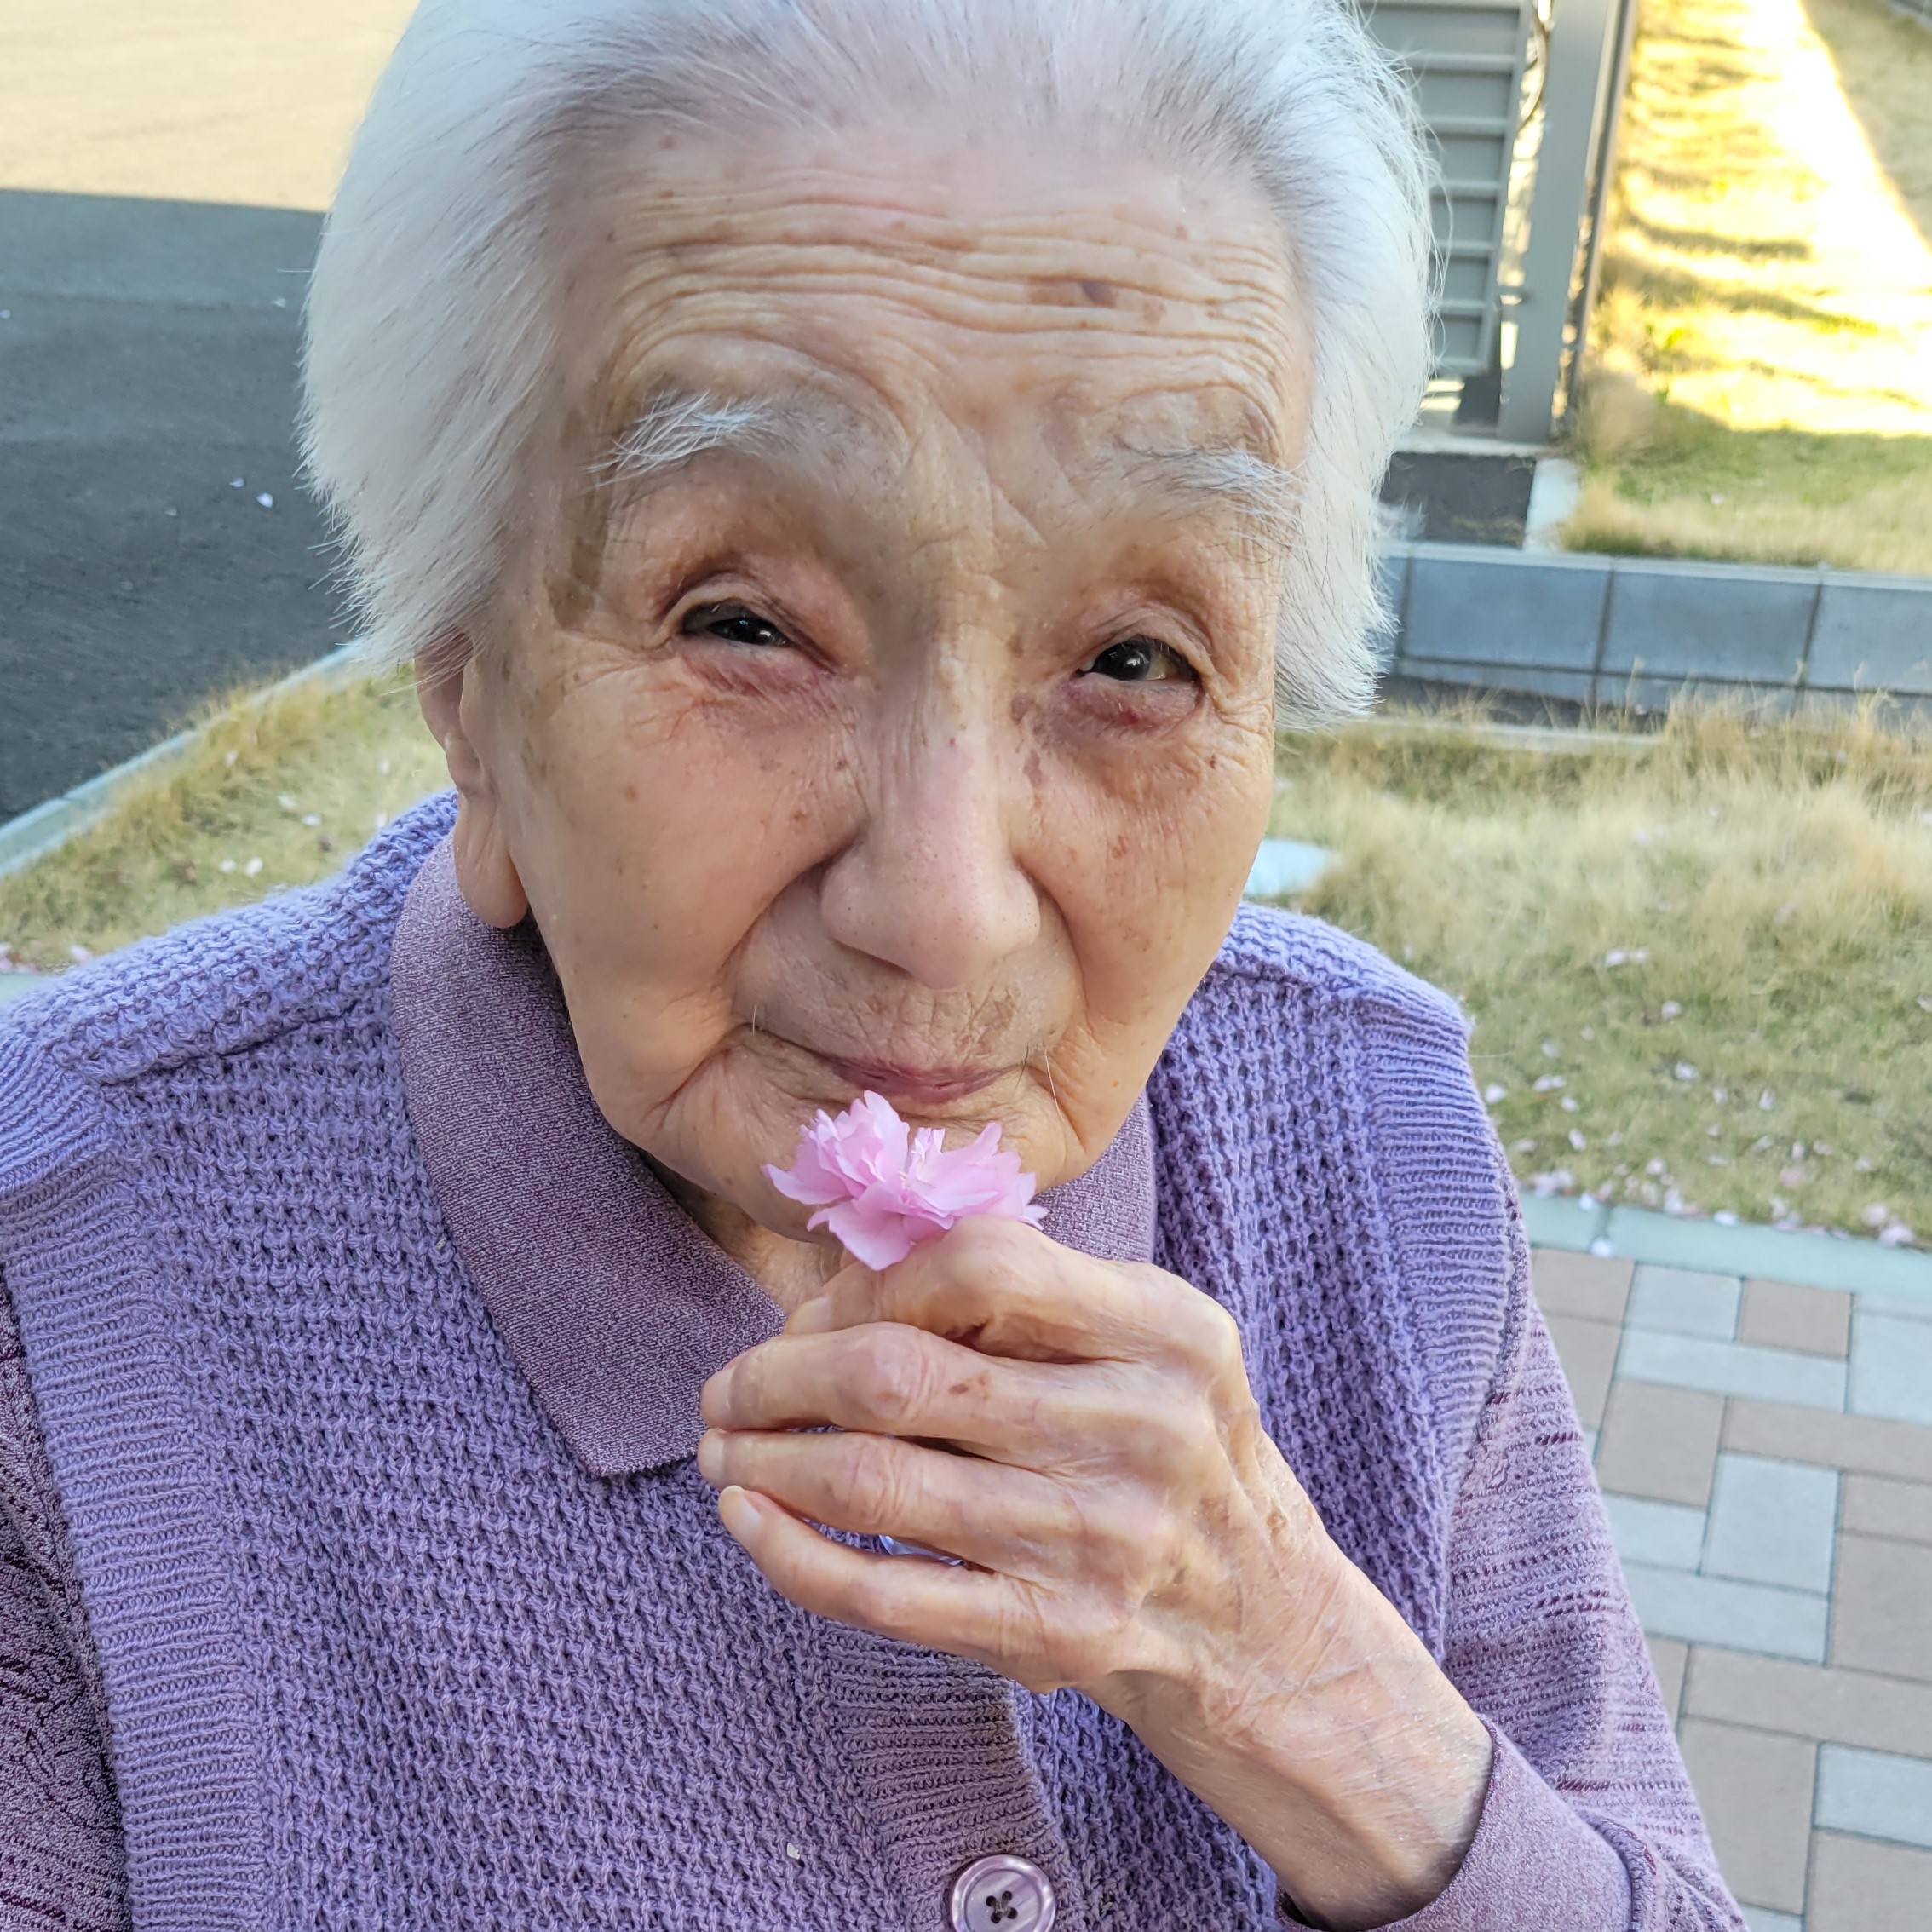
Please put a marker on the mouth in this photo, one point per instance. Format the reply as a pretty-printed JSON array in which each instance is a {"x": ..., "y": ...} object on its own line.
[{"x": 923, "y": 1088}]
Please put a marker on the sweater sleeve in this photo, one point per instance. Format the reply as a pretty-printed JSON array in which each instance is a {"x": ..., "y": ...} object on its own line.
[
  {"x": 62, "y": 1863},
  {"x": 1590, "y": 1823}
]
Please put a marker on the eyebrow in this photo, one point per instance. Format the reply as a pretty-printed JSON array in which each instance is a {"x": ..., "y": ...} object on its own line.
[
  {"x": 1264, "y": 495},
  {"x": 677, "y": 425}
]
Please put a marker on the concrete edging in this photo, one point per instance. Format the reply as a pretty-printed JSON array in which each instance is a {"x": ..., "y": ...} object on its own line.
[
  {"x": 1745, "y": 1248},
  {"x": 48, "y": 827},
  {"x": 1636, "y": 632}
]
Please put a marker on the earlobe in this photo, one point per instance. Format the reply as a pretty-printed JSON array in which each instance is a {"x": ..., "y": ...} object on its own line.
[{"x": 486, "y": 874}]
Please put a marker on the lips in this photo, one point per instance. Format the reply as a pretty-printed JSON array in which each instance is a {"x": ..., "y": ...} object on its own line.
[{"x": 914, "y": 1086}]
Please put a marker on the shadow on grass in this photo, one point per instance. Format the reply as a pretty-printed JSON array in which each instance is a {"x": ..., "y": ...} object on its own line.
[
  {"x": 1884, "y": 68},
  {"x": 1710, "y": 241},
  {"x": 1672, "y": 288}
]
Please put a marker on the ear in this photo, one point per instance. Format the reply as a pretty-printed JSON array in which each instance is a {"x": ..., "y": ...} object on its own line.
[{"x": 449, "y": 687}]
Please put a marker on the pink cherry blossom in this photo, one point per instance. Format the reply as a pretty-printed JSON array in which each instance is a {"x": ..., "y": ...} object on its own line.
[{"x": 882, "y": 1191}]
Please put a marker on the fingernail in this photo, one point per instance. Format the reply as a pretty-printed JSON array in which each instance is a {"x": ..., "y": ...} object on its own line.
[
  {"x": 736, "y": 1511},
  {"x": 711, "y": 1456},
  {"x": 711, "y": 1396}
]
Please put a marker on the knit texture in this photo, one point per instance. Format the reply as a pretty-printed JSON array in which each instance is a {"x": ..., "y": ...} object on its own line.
[{"x": 363, "y": 1645}]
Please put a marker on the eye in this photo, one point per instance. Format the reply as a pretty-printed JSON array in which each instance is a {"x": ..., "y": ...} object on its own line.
[
  {"x": 1140, "y": 660},
  {"x": 734, "y": 623}
]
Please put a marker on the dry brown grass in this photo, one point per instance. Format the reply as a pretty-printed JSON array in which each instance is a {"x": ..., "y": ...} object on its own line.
[
  {"x": 1715, "y": 955},
  {"x": 276, "y": 795},
  {"x": 1769, "y": 888}
]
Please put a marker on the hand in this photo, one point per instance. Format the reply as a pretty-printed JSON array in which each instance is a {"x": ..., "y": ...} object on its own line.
[{"x": 1084, "y": 1436}]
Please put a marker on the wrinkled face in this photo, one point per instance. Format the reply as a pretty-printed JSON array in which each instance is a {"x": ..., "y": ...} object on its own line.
[{"x": 917, "y": 733}]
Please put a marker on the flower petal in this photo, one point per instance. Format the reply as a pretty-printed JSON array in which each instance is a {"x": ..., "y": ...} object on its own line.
[{"x": 882, "y": 1192}]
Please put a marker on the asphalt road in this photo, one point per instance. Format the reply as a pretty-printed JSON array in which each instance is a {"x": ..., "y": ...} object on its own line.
[{"x": 147, "y": 360}]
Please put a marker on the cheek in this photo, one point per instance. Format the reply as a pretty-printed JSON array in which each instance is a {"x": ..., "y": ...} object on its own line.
[
  {"x": 1147, "y": 876},
  {"x": 663, "y": 826}
]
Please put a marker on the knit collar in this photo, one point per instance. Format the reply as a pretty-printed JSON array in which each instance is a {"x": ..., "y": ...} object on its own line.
[{"x": 615, "y": 1304}]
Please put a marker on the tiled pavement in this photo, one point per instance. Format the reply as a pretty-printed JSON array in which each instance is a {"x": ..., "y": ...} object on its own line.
[{"x": 1765, "y": 1452}]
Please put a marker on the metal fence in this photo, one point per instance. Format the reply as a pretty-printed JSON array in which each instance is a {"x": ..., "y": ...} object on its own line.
[{"x": 1467, "y": 60}]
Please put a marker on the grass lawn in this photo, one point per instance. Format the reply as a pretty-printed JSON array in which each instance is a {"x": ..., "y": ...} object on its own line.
[
  {"x": 1700, "y": 972},
  {"x": 1700, "y": 964},
  {"x": 1761, "y": 368},
  {"x": 275, "y": 796}
]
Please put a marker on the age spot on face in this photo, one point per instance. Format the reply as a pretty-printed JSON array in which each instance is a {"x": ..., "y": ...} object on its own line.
[{"x": 1052, "y": 292}]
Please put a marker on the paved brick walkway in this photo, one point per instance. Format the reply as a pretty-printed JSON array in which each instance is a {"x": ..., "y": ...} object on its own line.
[{"x": 1766, "y": 1455}]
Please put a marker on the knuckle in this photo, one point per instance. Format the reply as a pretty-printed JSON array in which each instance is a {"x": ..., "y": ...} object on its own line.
[
  {"x": 1086, "y": 1644},
  {"x": 987, "y": 1252},
  {"x": 1209, "y": 1334},
  {"x": 742, "y": 1391},
  {"x": 1160, "y": 1422},
  {"x": 841, "y": 1306},
  {"x": 896, "y": 1374},
  {"x": 989, "y": 1238},
  {"x": 873, "y": 1485},
  {"x": 873, "y": 1600},
  {"x": 1139, "y": 1543}
]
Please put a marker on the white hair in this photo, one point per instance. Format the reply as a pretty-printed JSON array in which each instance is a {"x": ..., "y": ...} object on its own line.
[{"x": 431, "y": 347}]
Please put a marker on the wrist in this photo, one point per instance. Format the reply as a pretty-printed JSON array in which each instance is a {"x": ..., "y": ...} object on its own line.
[{"x": 1346, "y": 1759}]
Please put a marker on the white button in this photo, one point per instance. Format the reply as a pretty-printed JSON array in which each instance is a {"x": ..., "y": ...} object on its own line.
[{"x": 1002, "y": 1894}]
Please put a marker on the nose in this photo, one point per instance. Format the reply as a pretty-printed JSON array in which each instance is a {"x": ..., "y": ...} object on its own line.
[{"x": 931, "y": 884}]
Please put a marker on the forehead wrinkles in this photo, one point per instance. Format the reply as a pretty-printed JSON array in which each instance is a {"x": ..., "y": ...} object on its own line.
[
  {"x": 1185, "y": 457},
  {"x": 832, "y": 413},
  {"x": 1154, "y": 351},
  {"x": 689, "y": 238},
  {"x": 871, "y": 309}
]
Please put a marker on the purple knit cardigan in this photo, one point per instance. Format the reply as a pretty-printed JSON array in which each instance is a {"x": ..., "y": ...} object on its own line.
[{"x": 355, "y": 1570}]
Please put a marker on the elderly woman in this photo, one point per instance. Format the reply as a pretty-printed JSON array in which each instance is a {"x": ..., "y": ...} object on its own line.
[{"x": 860, "y": 481}]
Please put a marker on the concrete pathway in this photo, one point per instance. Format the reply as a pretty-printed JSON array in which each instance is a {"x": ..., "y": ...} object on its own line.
[{"x": 1765, "y": 1451}]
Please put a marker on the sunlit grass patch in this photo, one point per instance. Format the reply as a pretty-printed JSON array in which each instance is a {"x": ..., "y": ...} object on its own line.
[
  {"x": 1701, "y": 973},
  {"x": 1680, "y": 485},
  {"x": 1762, "y": 366},
  {"x": 274, "y": 795}
]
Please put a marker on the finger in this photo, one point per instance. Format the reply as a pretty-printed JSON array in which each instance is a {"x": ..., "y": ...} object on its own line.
[
  {"x": 888, "y": 1379},
  {"x": 1005, "y": 1289},
  {"x": 933, "y": 1605},
  {"x": 1009, "y": 1519}
]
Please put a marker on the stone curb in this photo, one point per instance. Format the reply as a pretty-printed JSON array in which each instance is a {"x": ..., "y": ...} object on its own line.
[
  {"x": 1637, "y": 631},
  {"x": 1746, "y": 1249},
  {"x": 48, "y": 827}
]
